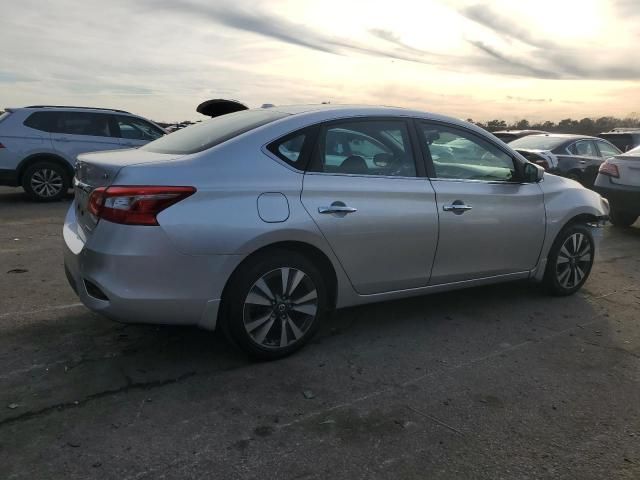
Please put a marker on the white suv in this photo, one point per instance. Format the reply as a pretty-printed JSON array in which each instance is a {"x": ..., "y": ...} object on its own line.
[{"x": 39, "y": 144}]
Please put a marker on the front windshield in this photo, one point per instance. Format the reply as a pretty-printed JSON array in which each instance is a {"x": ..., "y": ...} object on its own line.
[{"x": 538, "y": 142}]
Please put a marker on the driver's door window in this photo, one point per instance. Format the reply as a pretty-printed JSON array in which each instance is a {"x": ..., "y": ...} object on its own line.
[
  {"x": 461, "y": 155},
  {"x": 375, "y": 147}
]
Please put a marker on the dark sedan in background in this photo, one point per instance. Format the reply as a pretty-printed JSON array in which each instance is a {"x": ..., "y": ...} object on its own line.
[
  {"x": 574, "y": 156},
  {"x": 510, "y": 135}
]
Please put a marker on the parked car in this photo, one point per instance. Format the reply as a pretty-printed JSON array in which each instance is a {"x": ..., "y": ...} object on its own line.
[
  {"x": 619, "y": 181},
  {"x": 573, "y": 156},
  {"x": 510, "y": 135},
  {"x": 39, "y": 144},
  {"x": 623, "y": 138},
  {"x": 262, "y": 221}
]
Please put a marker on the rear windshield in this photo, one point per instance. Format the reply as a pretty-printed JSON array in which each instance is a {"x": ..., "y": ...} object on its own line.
[
  {"x": 207, "y": 134},
  {"x": 506, "y": 137},
  {"x": 538, "y": 142}
]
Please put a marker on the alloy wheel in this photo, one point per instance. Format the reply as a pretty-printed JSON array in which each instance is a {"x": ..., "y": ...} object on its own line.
[
  {"x": 46, "y": 182},
  {"x": 574, "y": 260},
  {"x": 280, "y": 308}
]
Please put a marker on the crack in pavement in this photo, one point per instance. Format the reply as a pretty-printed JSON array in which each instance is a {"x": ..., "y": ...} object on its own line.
[{"x": 95, "y": 396}]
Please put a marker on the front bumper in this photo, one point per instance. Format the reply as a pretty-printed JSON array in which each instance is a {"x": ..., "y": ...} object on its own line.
[{"x": 133, "y": 274}]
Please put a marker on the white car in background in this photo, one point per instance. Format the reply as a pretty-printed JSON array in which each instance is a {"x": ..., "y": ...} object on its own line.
[
  {"x": 619, "y": 182},
  {"x": 39, "y": 144}
]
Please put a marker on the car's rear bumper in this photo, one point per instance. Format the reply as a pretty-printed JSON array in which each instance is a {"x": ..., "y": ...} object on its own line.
[
  {"x": 622, "y": 197},
  {"x": 134, "y": 275},
  {"x": 8, "y": 177}
]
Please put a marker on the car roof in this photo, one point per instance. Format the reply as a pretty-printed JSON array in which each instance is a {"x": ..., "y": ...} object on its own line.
[
  {"x": 516, "y": 132},
  {"x": 567, "y": 136},
  {"x": 67, "y": 108},
  {"x": 331, "y": 111}
]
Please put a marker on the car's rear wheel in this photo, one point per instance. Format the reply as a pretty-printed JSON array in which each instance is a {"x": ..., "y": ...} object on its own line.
[
  {"x": 622, "y": 219},
  {"x": 274, "y": 304},
  {"x": 570, "y": 260},
  {"x": 45, "y": 181}
]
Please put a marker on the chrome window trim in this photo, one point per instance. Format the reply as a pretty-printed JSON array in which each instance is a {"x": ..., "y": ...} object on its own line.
[
  {"x": 489, "y": 182},
  {"x": 334, "y": 174}
]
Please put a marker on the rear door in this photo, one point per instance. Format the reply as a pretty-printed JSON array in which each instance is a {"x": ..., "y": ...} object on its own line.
[
  {"x": 81, "y": 132},
  {"x": 134, "y": 132},
  {"x": 490, "y": 224},
  {"x": 373, "y": 204}
]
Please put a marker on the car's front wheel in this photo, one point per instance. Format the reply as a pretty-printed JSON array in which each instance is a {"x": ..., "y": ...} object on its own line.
[
  {"x": 45, "y": 181},
  {"x": 274, "y": 304},
  {"x": 570, "y": 260},
  {"x": 622, "y": 219}
]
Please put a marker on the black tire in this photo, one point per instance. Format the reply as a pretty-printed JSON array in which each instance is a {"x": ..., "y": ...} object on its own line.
[
  {"x": 238, "y": 314},
  {"x": 622, "y": 219},
  {"x": 559, "y": 261},
  {"x": 46, "y": 181}
]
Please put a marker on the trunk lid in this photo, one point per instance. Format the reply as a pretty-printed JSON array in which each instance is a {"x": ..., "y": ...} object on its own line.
[
  {"x": 100, "y": 169},
  {"x": 628, "y": 169}
]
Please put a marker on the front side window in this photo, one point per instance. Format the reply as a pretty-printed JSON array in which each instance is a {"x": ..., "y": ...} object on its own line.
[
  {"x": 136, "y": 129},
  {"x": 607, "y": 150},
  {"x": 584, "y": 147},
  {"x": 367, "y": 147},
  {"x": 461, "y": 155}
]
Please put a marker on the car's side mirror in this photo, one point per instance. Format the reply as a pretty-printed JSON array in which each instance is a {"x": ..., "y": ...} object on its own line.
[{"x": 533, "y": 173}]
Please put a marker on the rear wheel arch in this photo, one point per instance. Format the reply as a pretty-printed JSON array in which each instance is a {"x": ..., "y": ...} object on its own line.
[
  {"x": 312, "y": 253},
  {"x": 43, "y": 157}
]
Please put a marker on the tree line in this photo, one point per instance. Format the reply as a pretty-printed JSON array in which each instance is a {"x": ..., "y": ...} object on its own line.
[{"x": 586, "y": 126}]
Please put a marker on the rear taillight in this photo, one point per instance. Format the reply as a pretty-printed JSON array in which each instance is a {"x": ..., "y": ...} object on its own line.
[
  {"x": 133, "y": 205},
  {"x": 2, "y": 146},
  {"x": 609, "y": 169}
]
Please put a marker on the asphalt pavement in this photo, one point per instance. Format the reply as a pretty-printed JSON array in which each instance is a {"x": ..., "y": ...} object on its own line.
[{"x": 500, "y": 382}]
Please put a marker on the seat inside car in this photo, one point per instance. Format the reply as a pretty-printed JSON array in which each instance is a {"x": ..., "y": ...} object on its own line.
[{"x": 354, "y": 164}]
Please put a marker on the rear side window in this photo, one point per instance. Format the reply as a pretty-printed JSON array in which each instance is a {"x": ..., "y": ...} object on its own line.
[
  {"x": 84, "y": 123},
  {"x": 72, "y": 123},
  {"x": 43, "y": 121},
  {"x": 210, "y": 133},
  {"x": 293, "y": 149}
]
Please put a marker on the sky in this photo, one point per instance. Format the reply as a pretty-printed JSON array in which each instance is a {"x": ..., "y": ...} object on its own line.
[{"x": 504, "y": 59}]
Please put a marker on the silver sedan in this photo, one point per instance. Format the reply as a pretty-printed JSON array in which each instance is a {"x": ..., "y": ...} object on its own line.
[{"x": 262, "y": 221}]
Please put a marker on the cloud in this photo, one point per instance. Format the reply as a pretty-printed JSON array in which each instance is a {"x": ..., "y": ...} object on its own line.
[
  {"x": 529, "y": 100},
  {"x": 393, "y": 38},
  {"x": 503, "y": 25},
  {"x": 513, "y": 65}
]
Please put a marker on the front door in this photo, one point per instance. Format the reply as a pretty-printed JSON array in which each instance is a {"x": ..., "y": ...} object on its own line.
[
  {"x": 490, "y": 224},
  {"x": 377, "y": 214}
]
